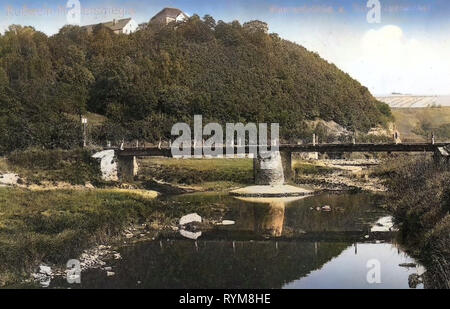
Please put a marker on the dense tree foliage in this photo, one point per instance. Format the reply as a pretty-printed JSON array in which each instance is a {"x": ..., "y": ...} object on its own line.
[{"x": 145, "y": 82}]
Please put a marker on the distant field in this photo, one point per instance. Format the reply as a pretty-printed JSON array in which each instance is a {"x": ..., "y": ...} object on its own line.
[
  {"x": 407, "y": 101},
  {"x": 408, "y": 120}
]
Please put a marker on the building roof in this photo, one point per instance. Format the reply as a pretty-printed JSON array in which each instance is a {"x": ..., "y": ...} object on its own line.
[
  {"x": 114, "y": 25},
  {"x": 167, "y": 12}
]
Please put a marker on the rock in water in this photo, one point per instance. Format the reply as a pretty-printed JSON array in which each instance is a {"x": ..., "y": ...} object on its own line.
[
  {"x": 268, "y": 168},
  {"x": 227, "y": 222},
  {"x": 384, "y": 224},
  {"x": 326, "y": 208},
  {"x": 190, "y": 219},
  {"x": 190, "y": 235}
]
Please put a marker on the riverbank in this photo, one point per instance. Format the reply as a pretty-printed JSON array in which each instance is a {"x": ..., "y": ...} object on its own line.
[
  {"x": 339, "y": 175},
  {"x": 54, "y": 211},
  {"x": 37, "y": 169},
  {"x": 51, "y": 227},
  {"x": 55, "y": 226},
  {"x": 419, "y": 197}
]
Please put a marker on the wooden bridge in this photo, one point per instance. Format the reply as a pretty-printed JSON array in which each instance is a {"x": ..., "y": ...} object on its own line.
[
  {"x": 155, "y": 151},
  {"x": 128, "y": 165}
]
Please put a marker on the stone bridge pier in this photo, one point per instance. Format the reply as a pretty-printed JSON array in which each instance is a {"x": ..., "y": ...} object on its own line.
[
  {"x": 115, "y": 167},
  {"x": 272, "y": 168}
]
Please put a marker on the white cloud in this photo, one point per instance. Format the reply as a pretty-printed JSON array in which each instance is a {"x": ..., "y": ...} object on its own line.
[
  {"x": 385, "y": 59},
  {"x": 391, "y": 61}
]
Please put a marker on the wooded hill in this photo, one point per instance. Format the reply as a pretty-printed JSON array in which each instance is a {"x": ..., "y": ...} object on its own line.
[{"x": 147, "y": 81}]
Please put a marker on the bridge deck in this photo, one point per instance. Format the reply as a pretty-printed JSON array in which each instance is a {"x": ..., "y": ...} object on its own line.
[{"x": 321, "y": 148}]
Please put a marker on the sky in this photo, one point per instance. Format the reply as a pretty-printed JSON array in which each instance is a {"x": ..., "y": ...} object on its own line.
[{"x": 404, "y": 49}]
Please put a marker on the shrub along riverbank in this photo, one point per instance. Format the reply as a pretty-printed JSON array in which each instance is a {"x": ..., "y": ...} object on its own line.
[
  {"x": 55, "y": 226},
  {"x": 34, "y": 166},
  {"x": 419, "y": 195}
]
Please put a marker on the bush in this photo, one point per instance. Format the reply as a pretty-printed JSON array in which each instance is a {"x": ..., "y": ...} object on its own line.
[
  {"x": 75, "y": 166},
  {"x": 419, "y": 195}
]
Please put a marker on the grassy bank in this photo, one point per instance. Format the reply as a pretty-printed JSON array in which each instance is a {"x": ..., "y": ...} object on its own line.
[
  {"x": 212, "y": 174},
  {"x": 419, "y": 196},
  {"x": 55, "y": 226},
  {"x": 58, "y": 225},
  {"x": 35, "y": 166}
]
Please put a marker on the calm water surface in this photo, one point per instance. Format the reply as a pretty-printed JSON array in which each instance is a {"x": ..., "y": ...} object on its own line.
[{"x": 277, "y": 243}]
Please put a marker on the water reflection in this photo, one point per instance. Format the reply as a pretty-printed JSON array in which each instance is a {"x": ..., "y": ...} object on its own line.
[
  {"x": 351, "y": 268},
  {"x": 244, "y": 264},
  {"x": 266, "y": 217},
  {"x": 213, "y": 264},
  {"x": 268, "y": 247},
  {"x": 351, "y": 217}
]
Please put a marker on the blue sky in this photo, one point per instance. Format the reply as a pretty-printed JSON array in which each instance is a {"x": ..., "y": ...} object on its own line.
[{"x": 408, "y": 51}]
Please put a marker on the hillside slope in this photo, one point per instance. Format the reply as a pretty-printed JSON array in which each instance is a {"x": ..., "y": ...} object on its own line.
[
  {"x": 148, "y": 81},
  {"x": 418, "y": 124}
]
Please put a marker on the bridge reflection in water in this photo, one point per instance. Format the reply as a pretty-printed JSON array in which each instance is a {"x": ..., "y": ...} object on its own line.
[{"x": 276, "y": 244}]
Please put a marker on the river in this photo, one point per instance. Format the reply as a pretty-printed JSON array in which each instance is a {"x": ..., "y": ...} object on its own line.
[{"x": 274, "y": 243}]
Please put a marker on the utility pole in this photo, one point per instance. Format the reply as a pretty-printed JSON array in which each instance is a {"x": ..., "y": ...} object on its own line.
[{"x": 84, "y": 123}]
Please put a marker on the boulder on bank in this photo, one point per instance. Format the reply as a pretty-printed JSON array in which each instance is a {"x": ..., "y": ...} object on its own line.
[
  {"x": 108, "y": 165},
  {"x": 9, "y": 179}
]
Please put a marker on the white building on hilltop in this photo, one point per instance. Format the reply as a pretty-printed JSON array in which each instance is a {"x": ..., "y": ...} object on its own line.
[
  {"x": 168, "y": 15},
  {"x": 118, "y": 26}
]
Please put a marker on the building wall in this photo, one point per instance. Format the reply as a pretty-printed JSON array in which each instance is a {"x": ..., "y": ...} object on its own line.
[{"x": 131, "y": 27}]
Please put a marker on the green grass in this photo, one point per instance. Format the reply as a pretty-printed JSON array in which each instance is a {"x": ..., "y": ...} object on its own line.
[
  {"x": 94, "y": 120},
  {"x": 37, "y": 165},
  {"x": 227, "y": 172},
  {"x": 56, "y": 226}
]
